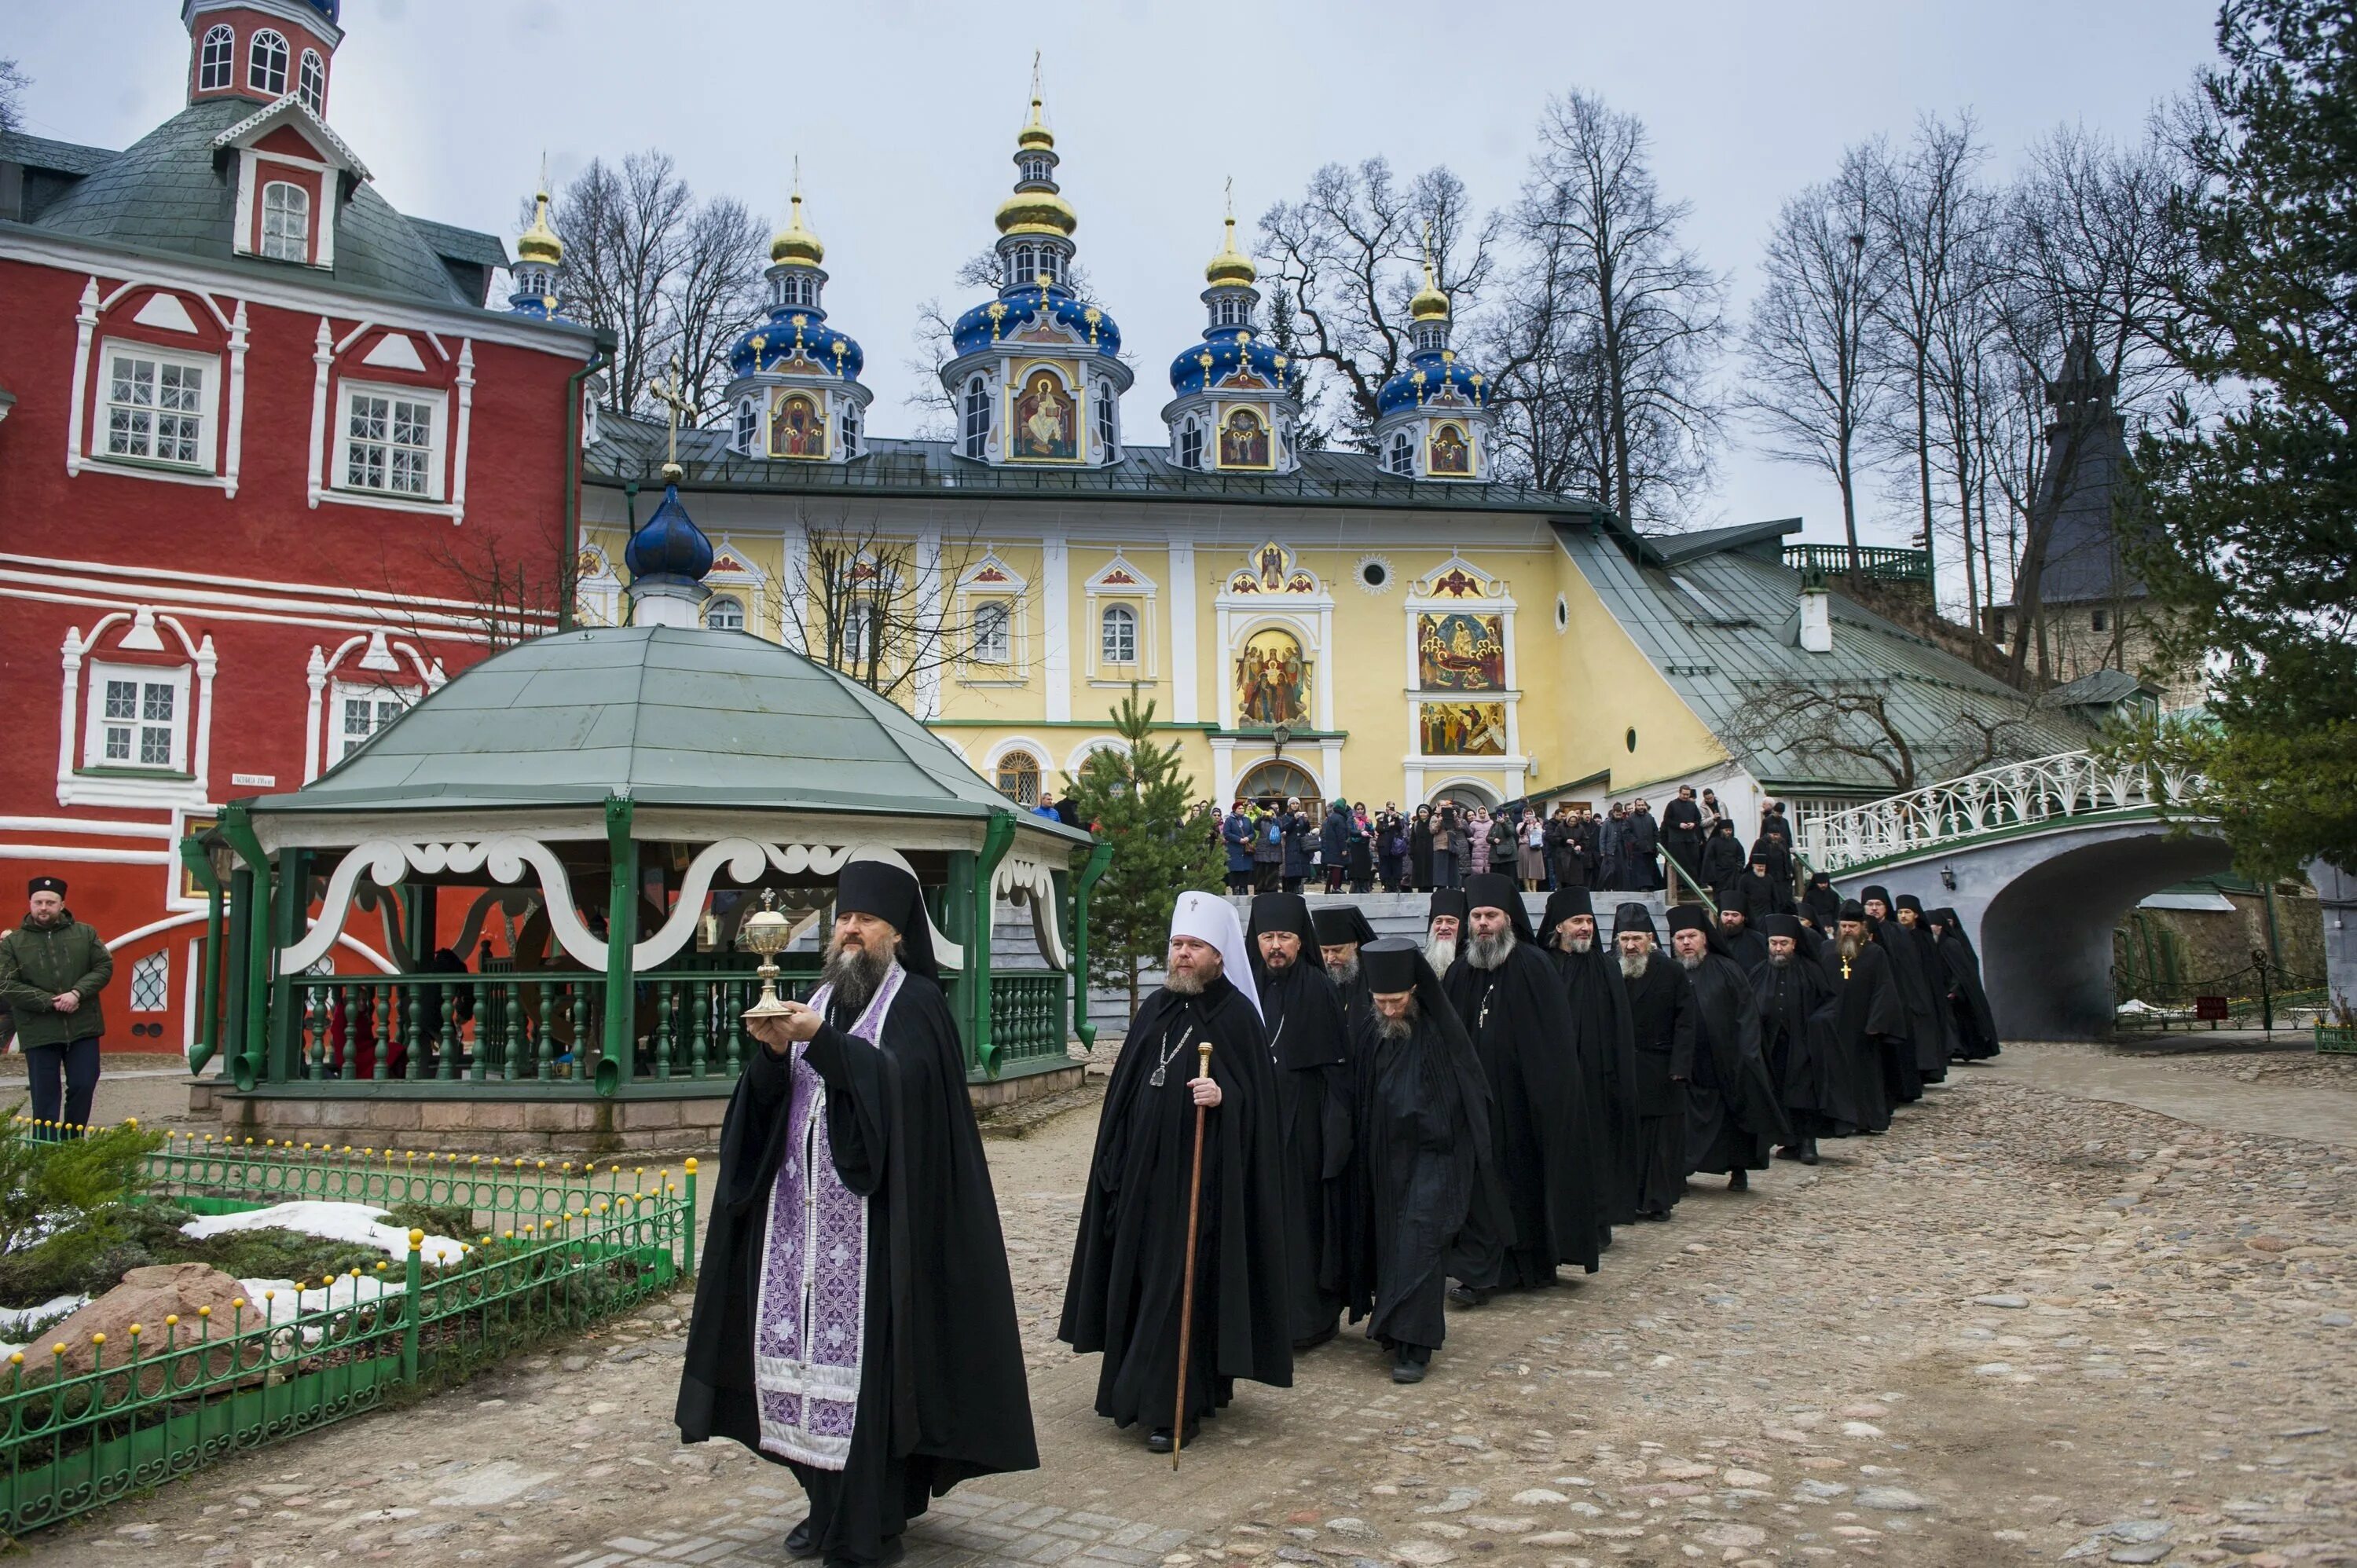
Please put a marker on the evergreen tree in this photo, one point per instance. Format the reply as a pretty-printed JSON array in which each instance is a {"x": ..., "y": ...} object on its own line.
[
  {"x": 2252, "y": 517},
  {"x": 1137, "y": 799}
]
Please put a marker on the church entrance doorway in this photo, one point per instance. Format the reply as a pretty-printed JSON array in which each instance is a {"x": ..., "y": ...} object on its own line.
[
  {"x": 1466, "y": 793},
  {"x": 1275, "y": 783}
]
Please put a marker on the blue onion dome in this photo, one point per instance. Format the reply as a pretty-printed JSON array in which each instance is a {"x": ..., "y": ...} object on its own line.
[
  {"x": 1230, "y": 355},
  {"x": 669, "y": 546},
  {"x": 796, "y": 338},
  {"x": 1035, "y": 307},
  {"x": 1434, "y": 376}
]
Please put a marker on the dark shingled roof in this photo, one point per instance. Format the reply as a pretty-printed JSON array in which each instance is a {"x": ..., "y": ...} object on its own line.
[
  {"x": 459, "y": 244},
  {"x": 64, "y": 157}
]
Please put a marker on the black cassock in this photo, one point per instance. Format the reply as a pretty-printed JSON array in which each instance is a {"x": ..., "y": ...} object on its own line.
[
  {"x": 1604, "y": 1044},
  {"x": 1426, "y": 1203},
  {"x": 942, "y": 1391},
  {"x": 1734, "y": 1119},
  {"x": 1797, "y": 1036},
  {"x": 1976, "y": 1026},
  {"x": 1127, "y": 1262},
  {"x": 1927, "y": 1059},
  {"x": 1309, "y": 1050},
  {"x": 1871, "y": 1026},
  {"x": 1662, "y": 1018},
  {"x": 1520, "y": 1022},
  {"x": 1747, "y": 947}
]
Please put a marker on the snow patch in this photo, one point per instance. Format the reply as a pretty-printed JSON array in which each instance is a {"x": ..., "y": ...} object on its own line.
[{"x": 354, "y": 1222}]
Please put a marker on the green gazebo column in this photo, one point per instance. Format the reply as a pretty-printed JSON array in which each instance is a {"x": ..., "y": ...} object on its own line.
[
  {"x": 249, "y": 977},
  {"x": 973, "y": 998},
  {"x": 200, "y": 866},
  {"x": 621, "y": 936},
  {"x": 283, "y": 1040},
  {"x": 1100, "y": 856}
]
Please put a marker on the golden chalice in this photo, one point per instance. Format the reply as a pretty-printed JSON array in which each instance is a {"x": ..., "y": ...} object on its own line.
[{"x": 767, "y": 932}]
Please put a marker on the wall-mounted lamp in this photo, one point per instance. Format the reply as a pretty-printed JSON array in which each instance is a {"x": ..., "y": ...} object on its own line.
[{"x": 1948, "y": 877}]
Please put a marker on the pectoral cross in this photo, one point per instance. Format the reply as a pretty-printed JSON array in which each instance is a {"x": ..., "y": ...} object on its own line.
[
  {"x": 675, "y": 405},
  {"x": 1845, "y": 968}
]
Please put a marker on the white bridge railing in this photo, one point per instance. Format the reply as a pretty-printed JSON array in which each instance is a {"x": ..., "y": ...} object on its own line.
[{"x": 2046, "y": 790}]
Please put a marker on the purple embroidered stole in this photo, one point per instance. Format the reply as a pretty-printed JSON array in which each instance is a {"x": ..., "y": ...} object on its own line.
[{"x": 811, "y": 1313}]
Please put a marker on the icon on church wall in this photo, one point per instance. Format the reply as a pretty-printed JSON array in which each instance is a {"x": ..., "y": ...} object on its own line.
[
  {"x": 1460, "y": 652},
  {"x": 1272, "y": 682},
  {"x": 1449, "y": 452},
  {"x": 1271, "y": 564},
  {"x": 1463, "y": 729},
  {"x": 797, "y": 427},
  {"x": 1244, "y": 440},
  {"x": 1045, "y": 429}
]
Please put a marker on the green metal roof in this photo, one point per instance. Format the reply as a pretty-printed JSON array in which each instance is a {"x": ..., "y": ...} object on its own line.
[{"x": 667, "y": 715}]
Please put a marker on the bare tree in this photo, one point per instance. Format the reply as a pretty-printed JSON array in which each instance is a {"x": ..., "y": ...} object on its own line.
[
  {"x": 1813, "y": 389},
  {"x": 715, "y": 295},
  {"x": 1857, "y": 723},
  {"x": 882, "y": 606},
  {"x": 933, "y": 336},
  {"x": 1348, "y": 257},
  {"x": 13, "y": 85},
  {"x": 500, "y": 592},
  {"x": 1604, "y": 258}
]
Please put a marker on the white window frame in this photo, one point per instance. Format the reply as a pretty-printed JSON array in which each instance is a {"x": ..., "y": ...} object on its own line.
[
  {"x": 97, "y": 722},
  {"x": 977, "y": 424},
  {"x": 341, "y": 742},
  {"x": 746, "y": 434},
  {"x": 217, "y": 59},
  {"x": 723, "y": 612},
  {"x": 1401, "y": 459},
  {"x": 1036, "y": 167},
  {"x": 278, "y": 244},
  {"x": 1229, "y": 311},
  {"x": 1108, "y": 421},
  {"x": 1190, "y": 443},
  {"x": 311, "y": 82},
  {"x": 209, "y": 366},
  {"x": 846, "y": 430},
  {"x": 993, "y": 645},
  {"x": 267, "y": 61},
  {"x": 1117, "y": 626},
  {"x": 151, "y": 973},
  {"x": 438, "y": 449}
]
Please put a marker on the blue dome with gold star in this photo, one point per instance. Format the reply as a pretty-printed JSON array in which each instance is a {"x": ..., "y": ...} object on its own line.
[
  {"x": 669, "y": 547},
  {"x": 1434, "y": 376},
  {"x": 1012, "y": 313},
  {"x": 1234, "y": 356},
  {"x": 797, "y": 339}
]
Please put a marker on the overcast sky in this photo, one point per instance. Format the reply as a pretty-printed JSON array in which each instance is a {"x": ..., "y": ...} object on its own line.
[{"x": 904, "y": 116}]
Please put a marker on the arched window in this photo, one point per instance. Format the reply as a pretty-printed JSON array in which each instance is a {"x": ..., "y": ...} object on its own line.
[
  {"x": 1431, "y": 337},
  {"x": 265, "y": 63},
  {"x": 1118, "y": 639},
  {"x": 216, "y": 63},
  {"x": 849, "y": 430},
  {"x": 312, "y": 83},
  {"x": 747, "y": 429},
  {"x": 1019, "y": 777},
  {"x": 724, "y": 612},
  {"x": 797, "y": 288},
  {"x": 1035, "y": 168},
  {"x": 1190, "y": 445},
  {"x": 977, "y": 418},
  {"x": 1105, "y": 426},
  {"x": 1051, "y": 262},
  {"x": 859, "y": 636},
  {"x": 1229, "y": 312},
  {"x": 992, "y": 635},
  {"x": 286, "y": 222},
  {"x": 1402, "y": 454}
]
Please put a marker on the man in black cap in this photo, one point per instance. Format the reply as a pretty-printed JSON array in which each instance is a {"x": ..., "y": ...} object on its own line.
[
  {"x": 1797, "y": 1037},
  {"x": 1936, "y": 1047},
  {"x": 1129, "y": 1259},
  {"x": 1513, "y": 1007},
  {"x": 52, "y": 968},
  {"x": 1733, "y": 1119},
  {"x": 1604, "y": 1044},
  {"x": 1924, "y": 1036},
  {"x": 1342, "y": 931},
  {"x": 1662, "y": 1018},
  {"x": 1444, "y": 927},
  {"x": 1870, "y": 1017},
  {"x": 854, "y": 1319},
  {"x": 1976, "y": 1026},
  {"x": 1740, "y": 941},
  {"x": 1309, "y": 1052},
  {"x": 1427, "y": 1198}
]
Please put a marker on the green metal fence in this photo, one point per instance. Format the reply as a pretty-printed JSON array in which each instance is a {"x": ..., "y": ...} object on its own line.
[
  {"x": 1880, "y": 562},
  {"x": 553, "y": 1251}
]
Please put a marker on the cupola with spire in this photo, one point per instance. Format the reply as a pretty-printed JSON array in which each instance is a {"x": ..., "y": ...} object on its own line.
[
  {"x": 1236, "y": 396},
  {"x": 263, "y": 50},
  {"x": 1432, "y": 417},
  {"x": 1037, "y": 374},
  {"x": 795, "y": 392},
  {"x": 539, "y": 270}
]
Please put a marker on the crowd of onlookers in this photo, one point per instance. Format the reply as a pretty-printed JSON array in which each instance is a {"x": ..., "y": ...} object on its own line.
[{"x": 1339, "y": 846}]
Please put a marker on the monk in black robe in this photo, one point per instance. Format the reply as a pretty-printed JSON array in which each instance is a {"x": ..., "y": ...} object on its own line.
[
  {"x": 1722, "y": 862},
  {"x": 1604, "y": 1044},
  {"x": 1870, "y": 1022},
  {"x": 1818, "y": 1090},
  {"x": 1907, "y": 910},
  {"x": 1922, "y": 1036},
  {"x": 1511, "y": 1004},
  {"x": 1820, "y": 905},
  {"x": 1129, "y": 1259},
  {"x": 1734, "y": 1119},
  {"x": 1976, "y": 1026},
  {"x": 1308, "y": 1047},
  {"x": 1682, "y": 836},
  {"x": 1427, "y": 1199},
  {"x": 1739, "y": 938},
  {"x": 851, "y": 1126},
  {"x": 1444, "y": 928},
  {"x": 1342, "y": 931},
  {"x": 1662, "y": 1021}
]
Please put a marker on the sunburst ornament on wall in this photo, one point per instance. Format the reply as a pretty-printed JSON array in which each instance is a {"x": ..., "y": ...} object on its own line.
[{"x": 1374, "y": 575}]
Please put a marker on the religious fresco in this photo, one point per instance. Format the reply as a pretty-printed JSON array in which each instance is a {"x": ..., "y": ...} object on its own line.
[
  {"x": 1272, "y": 680},
  {"x": 1273, "y": 570},
  {"x": 1449, "y": 452},
  {"x": 797, "y": 425},
  {"x": 1463, "y": 729},
  {"x": 1460, "y": 652},
  {"x": 1046, "y": 428},
  {"x": 1244, "y": 440}
]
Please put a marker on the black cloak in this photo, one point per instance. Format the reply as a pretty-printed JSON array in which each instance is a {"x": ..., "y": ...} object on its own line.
[
  {"x": 1604, "y": 1042},
  {"x": 1128, "y": 1259},
  {"x": 1662, "y": 1020},
  {"x": 1343, "y": 925},
  {"x": 1419, "y": 849},
  {"x": 1976, "y": 1026},
  {"x": 1308, "y": 1037},
  {"x": 1520, "y": 1025},
  {"x": 1428, "y": 1200},
  {"x": 1734, "y": 1118},
  {"x": 1870, "y": 1022},
  {"x": 1821, "y": 904},
  {"x": 1797, "y": 1036},
  {"x": 1747, "y": 947},
  {"x": 941, "y": 1389},
  {"x": 1722, "y": 861}
]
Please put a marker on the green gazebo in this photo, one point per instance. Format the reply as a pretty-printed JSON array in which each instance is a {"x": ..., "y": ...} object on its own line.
[{"x": 438, "y": 961}]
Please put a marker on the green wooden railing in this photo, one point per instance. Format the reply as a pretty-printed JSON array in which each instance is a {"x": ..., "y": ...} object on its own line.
[
  {"x": 1880, "y": 562},
  {"x": 553, "y": 1252}
]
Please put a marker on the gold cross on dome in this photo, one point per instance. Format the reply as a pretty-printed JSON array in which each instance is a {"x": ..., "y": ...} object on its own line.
[{"x": 675, "y": 402}]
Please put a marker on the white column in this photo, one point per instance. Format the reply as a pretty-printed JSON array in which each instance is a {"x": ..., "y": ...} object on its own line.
[
  {"x": 466, "y": 429},
  {"x": 69, "y": 710},
  {"x": 1223, "y": 772},
  {"x": 85, "y": 324},
  {"x": 315, "y": 676},
  {"x": 234, "y": 448},
  {"x": 1327, "y": 672},
  {"x": 323, "y": 354},
  {"x": 208, "y": 662},
  {"x": 1056, "y": 604},
  {"x": 929, "y": 639},
  {"x": 1182, "y": 633},
  {"x": 794, "y": 590},
  {"x": 1332, "y": 769}
]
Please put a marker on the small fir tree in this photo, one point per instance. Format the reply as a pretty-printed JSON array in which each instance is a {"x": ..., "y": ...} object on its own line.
[{"x": 1136, "y": 798}]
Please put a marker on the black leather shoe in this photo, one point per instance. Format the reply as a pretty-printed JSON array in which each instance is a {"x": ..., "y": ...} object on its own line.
[
  {"x": 1809, "y": 1152},
  {"x": 1738, "y": 1180},
  {"x": 1407, "y": 1370},
  {"x": 1158, "y": 1439},
  {"x": 1466, "y": 1295},
  {"x": 800, "y": 1543}
]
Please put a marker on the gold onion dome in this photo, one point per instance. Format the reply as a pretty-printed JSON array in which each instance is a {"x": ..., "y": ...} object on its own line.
[
  {"x": 1429, "y": 303},
  {"x": 1035, "y": 133},
  {"x": 539, "y": 242},
  {"x": 1231, "y": 265},
  {"x": 796, "y": 243},
  {"x": 1037, "y": 212}
]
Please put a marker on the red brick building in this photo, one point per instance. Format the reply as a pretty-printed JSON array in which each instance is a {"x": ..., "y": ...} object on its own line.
[{"x": 271, "y": 468}]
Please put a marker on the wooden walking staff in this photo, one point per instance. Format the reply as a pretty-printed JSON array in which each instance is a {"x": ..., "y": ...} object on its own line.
[{"x": 1187, "y": 1279}]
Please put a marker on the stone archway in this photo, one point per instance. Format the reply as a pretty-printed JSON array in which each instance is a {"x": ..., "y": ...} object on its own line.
[
  {"x": 1274, "y": 783},
  {"x": 1465, "y": 792}
]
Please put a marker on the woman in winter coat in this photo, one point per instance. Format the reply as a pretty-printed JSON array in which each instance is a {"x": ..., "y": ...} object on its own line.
[
  {"x": 1477, "y": 841},
  {"x": 1531, "y": 851},
  {"x": 1268, "y": 850},
  {"x": 1448, "y": 847},
  {"x": 1300, "y": 836},
  {"x": 1334, "y": 836},
  {"x": 1360, "y": 864}
]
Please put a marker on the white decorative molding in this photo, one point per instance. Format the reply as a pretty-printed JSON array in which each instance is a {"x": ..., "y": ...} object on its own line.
[
  {"x": 323, "y": 358},
  {"x": 85, "y": 325},
  {"x": 393, "y": 351},
  {"x": 1034, "y": 880},
  {"x": 1184, "y": 657},
  {"x": 1055, "y": 609},
  {"x": 164, "y": 312},
  {"x": 928, "y": 622},
  {"x": 466, "y": 429},
  {"x": 233, "y": 435}
]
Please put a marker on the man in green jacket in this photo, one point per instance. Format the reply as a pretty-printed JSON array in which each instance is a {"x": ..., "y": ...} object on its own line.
[{"x": 52, "y": 968}]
